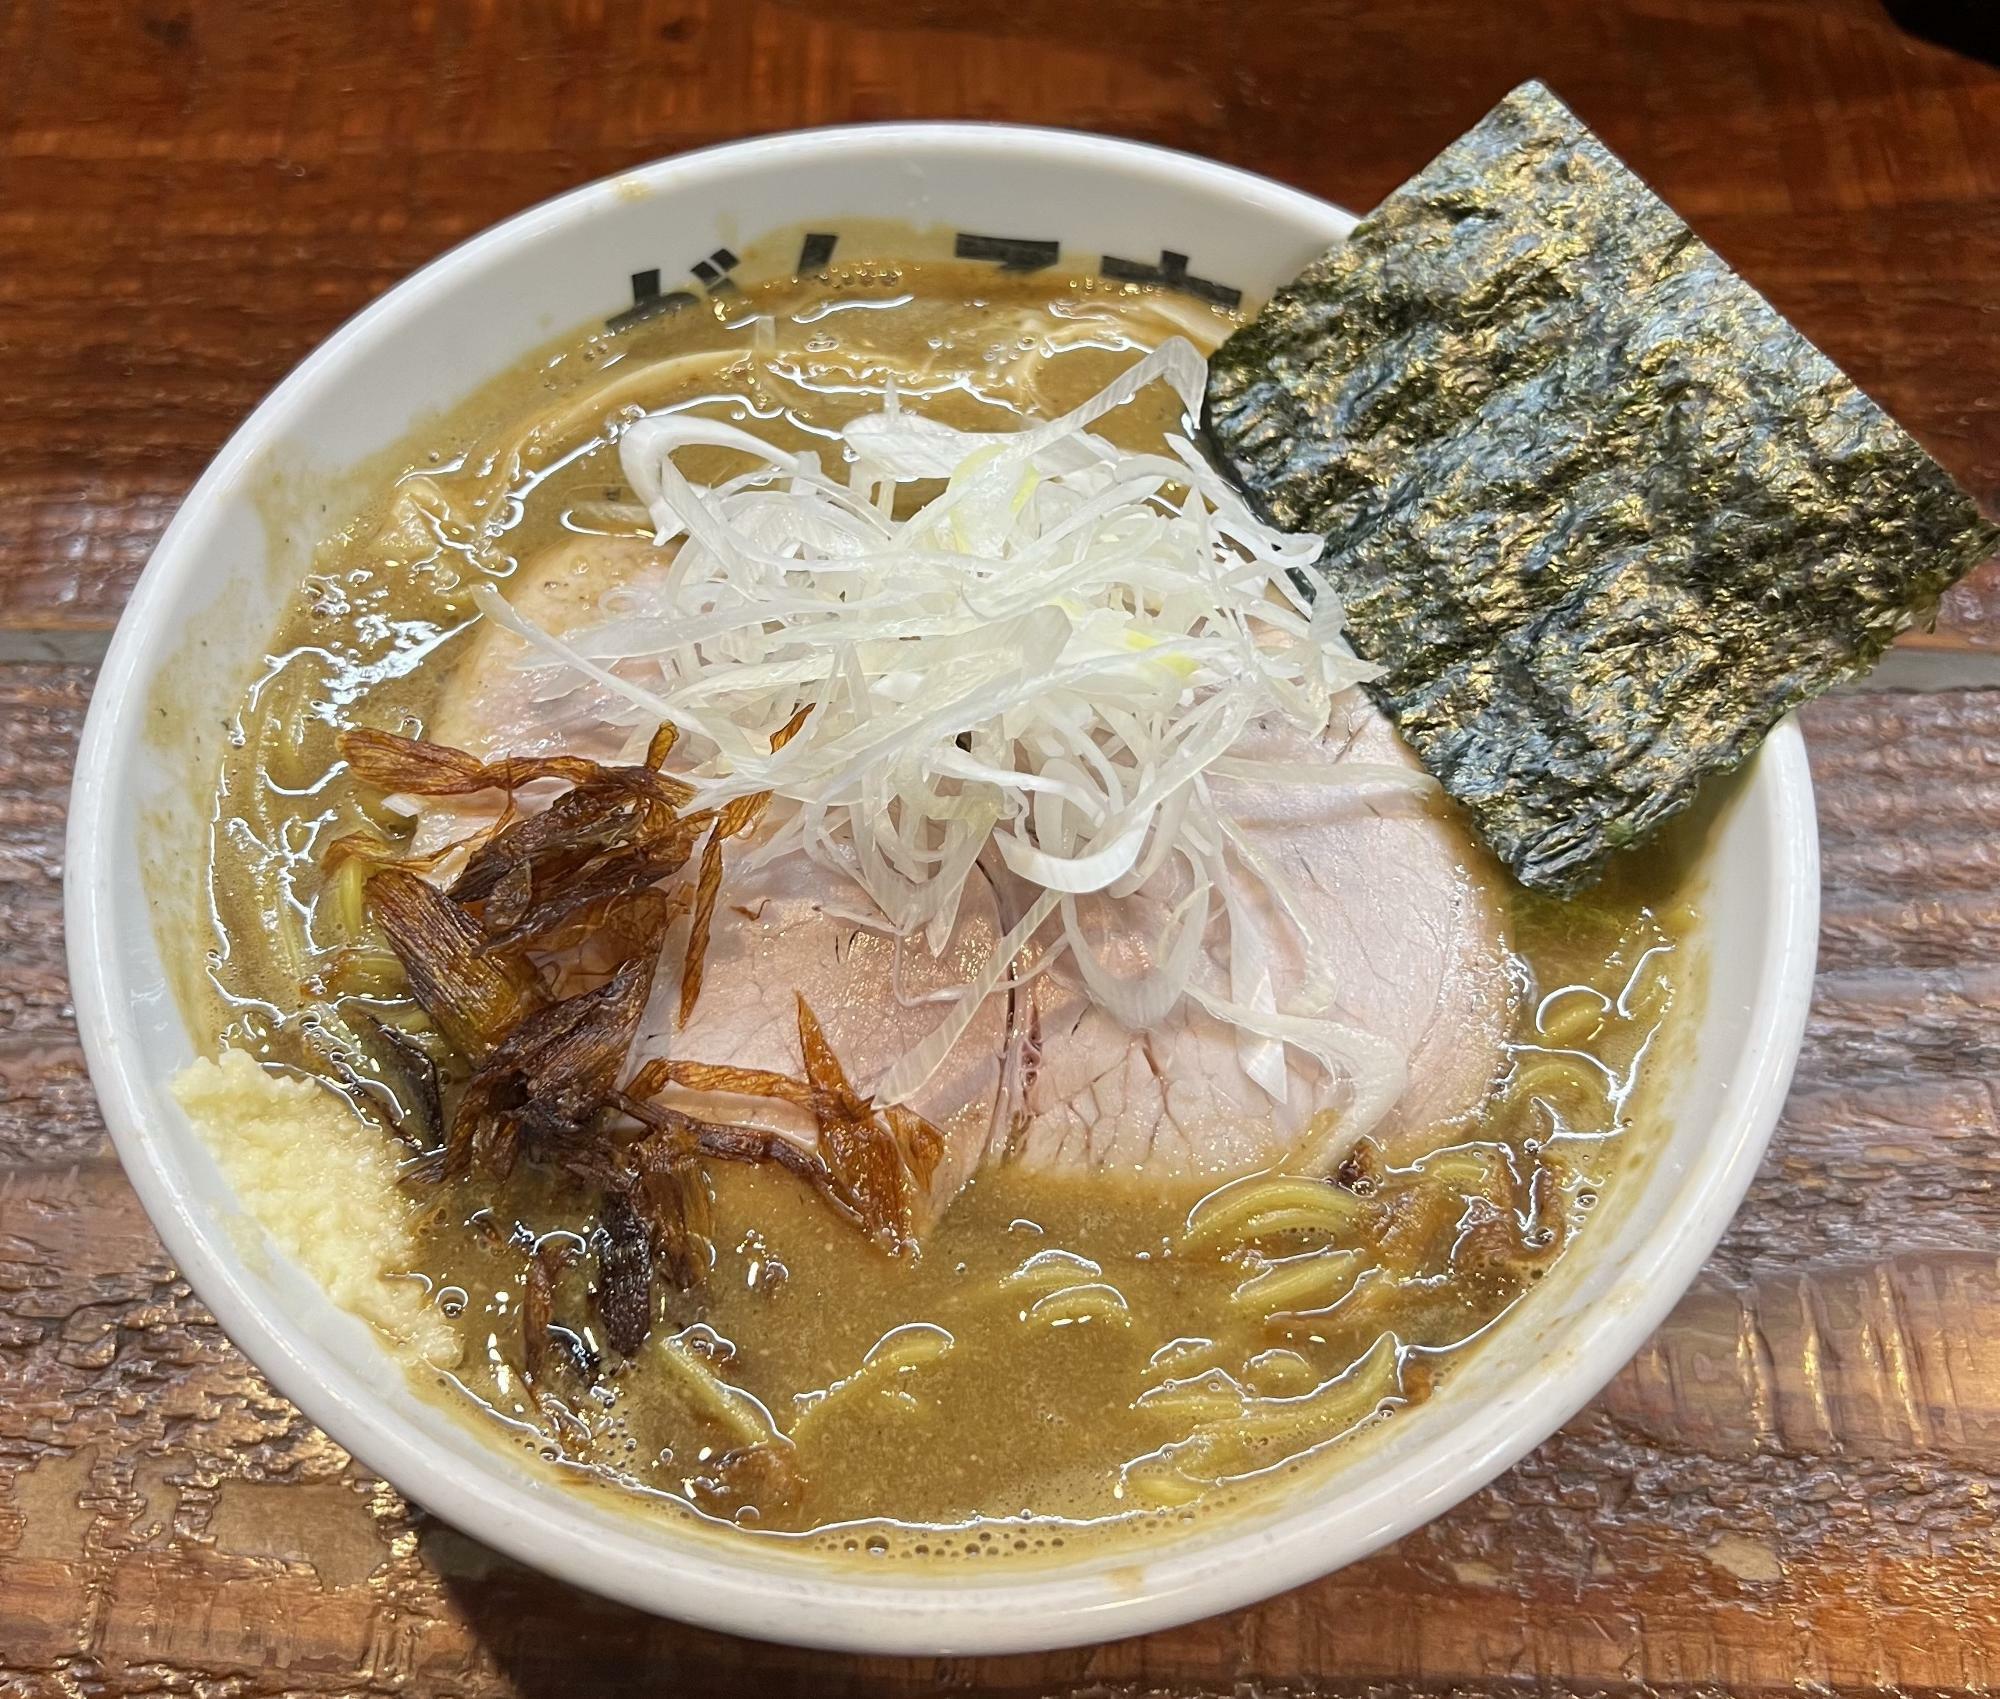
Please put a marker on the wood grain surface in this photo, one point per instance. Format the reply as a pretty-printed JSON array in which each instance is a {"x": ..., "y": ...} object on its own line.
[{"x": 1795, "y": 1486}]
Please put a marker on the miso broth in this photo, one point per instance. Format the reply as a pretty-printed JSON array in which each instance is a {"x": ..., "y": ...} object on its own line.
[{"x": 1068, "y": 1357}]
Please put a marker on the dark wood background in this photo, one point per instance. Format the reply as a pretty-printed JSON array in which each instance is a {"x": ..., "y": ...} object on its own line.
[{"x": 1795, "y": 1486}]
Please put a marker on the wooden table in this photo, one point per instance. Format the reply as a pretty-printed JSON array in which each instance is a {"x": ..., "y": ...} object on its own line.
[{"x": 1796, "y": 1484}]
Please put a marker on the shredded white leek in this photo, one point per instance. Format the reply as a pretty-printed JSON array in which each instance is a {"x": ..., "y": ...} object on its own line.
[{"x": 1047, "y": 658}]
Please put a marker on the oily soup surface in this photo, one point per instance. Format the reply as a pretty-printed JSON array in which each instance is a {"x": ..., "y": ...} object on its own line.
[{"x": 1067, "y": 1359}]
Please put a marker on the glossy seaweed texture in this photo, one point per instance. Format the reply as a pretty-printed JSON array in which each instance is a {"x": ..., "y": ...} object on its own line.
[{"x": 1601, "y": 514}]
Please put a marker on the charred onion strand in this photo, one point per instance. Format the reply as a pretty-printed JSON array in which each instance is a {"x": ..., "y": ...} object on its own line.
[{"x": 541, "y": 1076}]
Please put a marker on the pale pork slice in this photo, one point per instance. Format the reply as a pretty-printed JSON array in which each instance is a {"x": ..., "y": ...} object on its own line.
[
  {"x": 782, "y": 929},
  {"x": 1416, "y": 936},
  {"x": 493, "y": 705},
  {"x": 787, "y": 930}
]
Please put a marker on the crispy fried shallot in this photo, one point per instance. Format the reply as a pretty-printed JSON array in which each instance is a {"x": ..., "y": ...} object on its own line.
[
  {"x": 475, "y": 999},
  {"x": 671, "y": 1195},
  {"x": 860, "y": 1149},
  {"x": 408, "y": 764},
  {"x": 407, "y": 1073},
  {"x": 546, "y": 1265},
  {"x": 535, "y": 965},
  {"x": 707, "y": 888},
  {"x": 549, "y": 1082},
  {"x": 868, "y": 1162},
  {"x": 624, "y": 1273}
]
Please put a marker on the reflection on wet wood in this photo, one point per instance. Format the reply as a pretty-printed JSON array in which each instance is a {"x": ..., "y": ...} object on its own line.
[{"x": 1794, "y": 1482}]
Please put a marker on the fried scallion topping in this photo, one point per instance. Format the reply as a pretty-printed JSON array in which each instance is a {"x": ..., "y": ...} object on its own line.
[{"x": 534, "y": 963}]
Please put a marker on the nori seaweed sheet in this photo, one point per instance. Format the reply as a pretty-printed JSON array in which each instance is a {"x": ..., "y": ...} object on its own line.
[{"x": 1601, "y": 515}]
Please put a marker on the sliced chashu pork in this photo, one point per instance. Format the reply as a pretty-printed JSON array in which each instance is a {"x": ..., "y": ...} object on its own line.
[
  {"x": 773, "y": 936},
  {"x": 1046, "y": 1078},
  {"x": 1418, "y": 957},
  {"x": 774, "y": 939},
  {"x": 494, "y": 705}
]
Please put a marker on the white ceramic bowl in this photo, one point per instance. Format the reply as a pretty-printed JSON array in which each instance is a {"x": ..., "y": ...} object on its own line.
[{"x": 210, "y": 596}]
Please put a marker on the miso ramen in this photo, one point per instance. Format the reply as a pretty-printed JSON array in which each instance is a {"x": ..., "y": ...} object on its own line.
[{"x": 902, "y": 994}]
